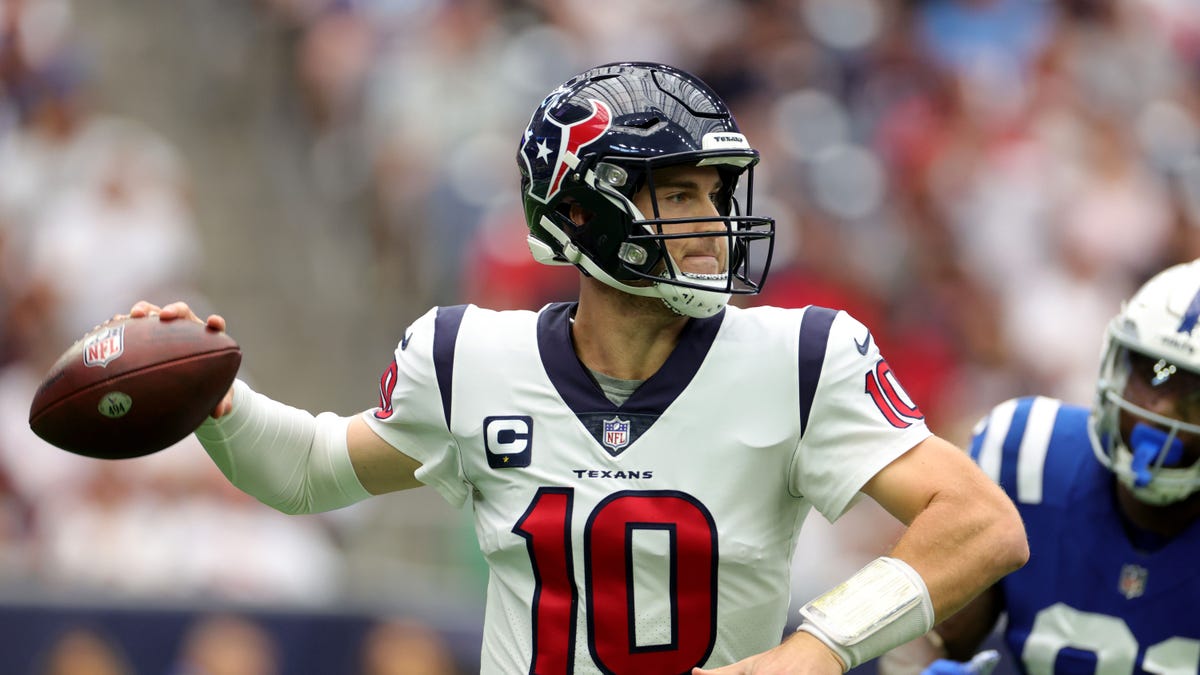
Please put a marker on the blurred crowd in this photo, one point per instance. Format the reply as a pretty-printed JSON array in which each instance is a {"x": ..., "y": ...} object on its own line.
[{"x": 979, "y": 181}]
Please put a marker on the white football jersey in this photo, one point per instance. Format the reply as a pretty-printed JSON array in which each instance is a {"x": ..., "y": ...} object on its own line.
[{"x": 654, "y": 536}]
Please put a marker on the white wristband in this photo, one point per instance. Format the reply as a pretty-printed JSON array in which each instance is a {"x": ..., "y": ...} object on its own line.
[
  {"x": 883, "y": 605},
  {"x": 912, "y": 657},
  {"x": 283, "y": 456}
]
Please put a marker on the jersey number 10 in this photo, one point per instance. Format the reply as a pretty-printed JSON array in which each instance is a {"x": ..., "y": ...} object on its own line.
[{"x": 609, "y": 571}]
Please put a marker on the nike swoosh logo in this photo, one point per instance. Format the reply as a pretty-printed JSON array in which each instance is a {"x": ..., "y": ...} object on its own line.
[
  {"x": 864, "y": 345},
  {"x": 408, "y": 336}
]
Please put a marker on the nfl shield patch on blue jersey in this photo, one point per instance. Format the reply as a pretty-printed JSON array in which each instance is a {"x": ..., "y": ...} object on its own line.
[{"x": 1133, "y": 581}]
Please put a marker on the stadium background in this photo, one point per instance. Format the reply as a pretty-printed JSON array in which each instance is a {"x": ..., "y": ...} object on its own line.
[{"x": 980, "y": 181}]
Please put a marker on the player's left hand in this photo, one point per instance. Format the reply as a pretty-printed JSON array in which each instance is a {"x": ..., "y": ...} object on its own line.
[{"x": 800, "y": 654}]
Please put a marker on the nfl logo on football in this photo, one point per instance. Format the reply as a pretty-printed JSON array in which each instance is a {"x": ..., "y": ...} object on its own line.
[
  {"x": 104, "y": 346},
  {"x": 616, "y": 433},
  {"x": 1133, "y": 581}
]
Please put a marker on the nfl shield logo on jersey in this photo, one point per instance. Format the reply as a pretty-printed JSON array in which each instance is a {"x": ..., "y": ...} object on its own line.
[
  {"x": 104, "y": 346},
  {"x": 1133, "y": 581},
  {"x": 616, "y": 433}
]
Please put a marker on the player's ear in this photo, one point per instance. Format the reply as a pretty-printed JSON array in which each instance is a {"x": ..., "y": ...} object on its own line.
[{"x": 578, "y": 214}]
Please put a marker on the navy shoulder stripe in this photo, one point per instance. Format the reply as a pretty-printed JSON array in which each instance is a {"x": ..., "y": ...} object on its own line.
[
  {"x": 814, "y": 337},
  {"x": 445, "y": 337}
]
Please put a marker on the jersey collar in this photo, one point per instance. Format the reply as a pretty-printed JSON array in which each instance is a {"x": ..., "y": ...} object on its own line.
[{"x": 584, "y": 396}]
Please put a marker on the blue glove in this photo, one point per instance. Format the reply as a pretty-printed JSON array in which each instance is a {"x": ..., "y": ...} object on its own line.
[{"x": 981, "y": 664}]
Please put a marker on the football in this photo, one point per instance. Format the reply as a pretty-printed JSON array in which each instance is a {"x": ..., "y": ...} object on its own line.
[{"x": 132, "y": 387}]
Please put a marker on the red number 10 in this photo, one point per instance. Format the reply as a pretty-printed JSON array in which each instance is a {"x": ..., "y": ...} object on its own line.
[
  {"x": 881, "y": 385},
  {"x": 609, "y": 581}
]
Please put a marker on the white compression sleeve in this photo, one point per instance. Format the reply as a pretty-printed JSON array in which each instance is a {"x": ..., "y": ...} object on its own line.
[{"x": 283, "y": 456}]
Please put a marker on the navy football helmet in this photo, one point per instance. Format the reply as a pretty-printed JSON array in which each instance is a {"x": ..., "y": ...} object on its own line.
[
  {"x": 595, "y": 142},
  {"x": 1145, "y": 426}
]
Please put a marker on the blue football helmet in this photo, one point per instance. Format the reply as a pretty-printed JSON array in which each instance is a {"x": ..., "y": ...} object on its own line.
[
  {"x": 1145, "y": 426},
  {"x": 596, "y": 140}
]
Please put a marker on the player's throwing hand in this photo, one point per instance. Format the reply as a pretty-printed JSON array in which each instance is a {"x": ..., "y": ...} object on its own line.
[{"x": 181, "y": 310}]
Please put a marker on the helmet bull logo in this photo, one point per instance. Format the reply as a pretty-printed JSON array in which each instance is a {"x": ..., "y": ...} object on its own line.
[{"x": 547, "y": 156}]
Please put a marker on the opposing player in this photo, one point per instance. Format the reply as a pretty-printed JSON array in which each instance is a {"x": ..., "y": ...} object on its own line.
[
  {"x": 639, "y": 462},
  {"x": 1111, "y": 586}
]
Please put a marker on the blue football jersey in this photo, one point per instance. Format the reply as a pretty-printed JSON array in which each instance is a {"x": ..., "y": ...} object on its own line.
[{"x": 1089, "y": 600}]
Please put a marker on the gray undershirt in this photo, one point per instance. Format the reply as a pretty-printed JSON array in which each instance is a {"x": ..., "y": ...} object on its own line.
[{"x": 616, "y": 390}]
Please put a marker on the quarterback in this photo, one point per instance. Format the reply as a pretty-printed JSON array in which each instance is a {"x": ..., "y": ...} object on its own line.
[{"x": 639, "y": 461}]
